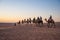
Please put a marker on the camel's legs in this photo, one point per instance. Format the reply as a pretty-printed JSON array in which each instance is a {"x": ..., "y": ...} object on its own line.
[
  {"x": 51, "y": 25},
  {"x": 41, "y": 23},
  {"x": 48, "y": 25},
  {"x": 54, "y": 25}
]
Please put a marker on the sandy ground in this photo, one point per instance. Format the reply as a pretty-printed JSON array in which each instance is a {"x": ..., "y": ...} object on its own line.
[{"x": 29, "y": 32}]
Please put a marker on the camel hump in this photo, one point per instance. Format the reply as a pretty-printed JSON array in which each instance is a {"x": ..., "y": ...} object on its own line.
[{"x": 50, "y": 19}]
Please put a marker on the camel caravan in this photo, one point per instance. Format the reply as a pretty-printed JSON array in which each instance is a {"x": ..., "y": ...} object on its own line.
[{"x": 38, "y": 21}]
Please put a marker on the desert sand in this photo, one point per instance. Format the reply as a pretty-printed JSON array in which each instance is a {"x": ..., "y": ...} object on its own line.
[{"x": 29, "y": 32}]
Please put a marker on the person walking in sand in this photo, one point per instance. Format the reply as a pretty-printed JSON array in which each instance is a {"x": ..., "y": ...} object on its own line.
[
  {"x": 22, "y": 21},
  {"x": 19, "y": 22}
]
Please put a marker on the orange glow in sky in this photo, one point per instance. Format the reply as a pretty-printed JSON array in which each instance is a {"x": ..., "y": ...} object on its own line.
[{"x": 15, "y": 10}]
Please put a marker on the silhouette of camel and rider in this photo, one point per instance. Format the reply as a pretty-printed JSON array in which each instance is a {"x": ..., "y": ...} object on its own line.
[
  {"x": 39, "y": 21},
  {"x": 50, "y": 22}
]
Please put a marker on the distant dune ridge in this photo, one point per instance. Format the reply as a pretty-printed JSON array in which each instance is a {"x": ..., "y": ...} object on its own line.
[{"x": 28, "y": 32}]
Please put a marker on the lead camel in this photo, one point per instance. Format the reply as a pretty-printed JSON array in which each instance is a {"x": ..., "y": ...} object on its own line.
[{"x": 50, "y": 22}]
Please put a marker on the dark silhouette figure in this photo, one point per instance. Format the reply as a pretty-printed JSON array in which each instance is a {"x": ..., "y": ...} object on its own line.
[
  {"x": 19, "y": 22},
  {"x": 50, "y": 22},
  {"x": 39, "y": 21},
  {"x": 34, "y": 20},
  {"x": 14, "y": 24},
  {"x": 22, "y": 21},
  {"x": 29, "y": 20}
]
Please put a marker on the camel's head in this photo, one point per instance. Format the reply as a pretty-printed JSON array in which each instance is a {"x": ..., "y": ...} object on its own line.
[{"x": 45, "y": 19}]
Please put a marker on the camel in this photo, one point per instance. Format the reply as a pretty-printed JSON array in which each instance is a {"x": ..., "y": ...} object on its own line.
[
  {"x": 34, "y": 20},
  {"x": 39, "y": 21},
  {"x": 50, "y": 22},
  {"x": 29, "y": 20}
]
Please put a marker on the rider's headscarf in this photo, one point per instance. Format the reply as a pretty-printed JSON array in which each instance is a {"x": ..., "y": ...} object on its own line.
[{"x": 50, "y": 17}]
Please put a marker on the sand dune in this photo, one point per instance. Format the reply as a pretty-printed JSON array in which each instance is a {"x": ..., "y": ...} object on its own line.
[{"x": 29, "y": 32}]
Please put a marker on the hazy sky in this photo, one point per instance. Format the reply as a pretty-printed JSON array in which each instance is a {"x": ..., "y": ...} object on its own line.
[{"x": 14, "y": 10}]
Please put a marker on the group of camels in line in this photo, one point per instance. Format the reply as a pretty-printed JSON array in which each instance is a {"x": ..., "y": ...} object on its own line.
[{"x": 50, "y": 21}]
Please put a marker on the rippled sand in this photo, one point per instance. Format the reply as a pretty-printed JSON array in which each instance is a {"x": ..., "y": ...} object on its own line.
[{"x": 29, "y": 32}]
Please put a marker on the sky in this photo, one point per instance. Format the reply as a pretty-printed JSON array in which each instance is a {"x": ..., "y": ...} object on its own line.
[{"x": 15, "y": 10}]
